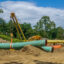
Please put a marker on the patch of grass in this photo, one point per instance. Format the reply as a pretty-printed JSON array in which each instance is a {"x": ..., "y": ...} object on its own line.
[{"x": 5, "y": 37}]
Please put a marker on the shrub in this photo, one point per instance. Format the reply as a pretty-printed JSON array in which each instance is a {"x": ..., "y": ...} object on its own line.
[{"x": 9, "y": 38}]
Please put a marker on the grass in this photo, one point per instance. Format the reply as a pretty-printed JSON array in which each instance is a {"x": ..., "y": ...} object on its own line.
[{"x": 5, "y": 37}]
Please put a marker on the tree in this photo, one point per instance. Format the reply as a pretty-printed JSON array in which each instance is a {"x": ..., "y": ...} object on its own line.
[
  {"x": 11, "y": 28},
  {"x": 44, "y": 26},
  {"x": 52, "y": 33},
  {"x": 2, "y": 26},
  {"x": 46, "y": 23},
  {"x": 1, "y": 11},
  {"x": 27, "y": 30},
  {"x": 60, "y": 33}
]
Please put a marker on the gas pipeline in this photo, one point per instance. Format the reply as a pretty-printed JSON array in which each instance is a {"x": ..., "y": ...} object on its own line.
[{"x": 18, "y": 45}]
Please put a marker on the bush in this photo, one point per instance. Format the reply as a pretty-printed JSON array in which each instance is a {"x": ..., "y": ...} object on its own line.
[{"x": 9, "y": 38}]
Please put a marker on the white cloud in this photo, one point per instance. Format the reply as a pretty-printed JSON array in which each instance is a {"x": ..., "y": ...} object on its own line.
[{"x": 29, "y": 12}]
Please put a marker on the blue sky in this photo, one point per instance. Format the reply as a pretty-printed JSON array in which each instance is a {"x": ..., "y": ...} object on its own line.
[
  {"x": 45, "y": 3},
  {"x": 31, "y": 11}
]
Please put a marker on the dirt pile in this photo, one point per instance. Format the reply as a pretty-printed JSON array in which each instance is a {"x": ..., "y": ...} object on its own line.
[
  {"x": 31, "y": 55},
  {"x": 27, "y": 50},
  {"x": 31, "y": 50}
]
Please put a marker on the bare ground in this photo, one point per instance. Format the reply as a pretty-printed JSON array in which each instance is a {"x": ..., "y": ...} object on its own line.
[
  {"x": 31, "y": 55},
  {"x": 24, "y": 57}
]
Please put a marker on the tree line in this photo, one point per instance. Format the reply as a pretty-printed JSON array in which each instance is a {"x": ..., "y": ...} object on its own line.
[{"x": 44, "y": 28}]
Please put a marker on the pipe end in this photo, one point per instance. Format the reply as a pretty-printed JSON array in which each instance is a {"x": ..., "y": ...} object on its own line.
[
  {"x": 45, "y": 42},
  {"x": 52, "y": 49}
]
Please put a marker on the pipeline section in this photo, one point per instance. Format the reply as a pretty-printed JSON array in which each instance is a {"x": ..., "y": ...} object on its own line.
[
  {"x": 40, "y": 43},
  {"x": 55, "y": 41},
  {"x": 20, "y": 45},
  {"x": 47, "y": 48}
]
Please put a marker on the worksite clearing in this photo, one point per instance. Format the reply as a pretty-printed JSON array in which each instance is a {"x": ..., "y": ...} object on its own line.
[
  {"x": 34, "y": 50},
  {"x": 31, "y": 55}
]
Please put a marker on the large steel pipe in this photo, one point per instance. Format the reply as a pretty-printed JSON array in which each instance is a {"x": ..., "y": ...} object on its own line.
[
  {"x": 55, "y": 41},
  {"x": 47, "y": 48},
  {"x": 20, "y": 45}
]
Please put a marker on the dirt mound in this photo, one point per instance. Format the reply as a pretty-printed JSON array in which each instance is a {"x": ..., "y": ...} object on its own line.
[
  {"x": 31, "y": 55},
  {"x": 27, "y": 50},
  {"x": 31, "y": 50}
]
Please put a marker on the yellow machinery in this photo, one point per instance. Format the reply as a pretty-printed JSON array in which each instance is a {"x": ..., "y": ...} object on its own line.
[
  {"x": 19, "y": 29},
  {"x": 17, "y": 25},
  {"x": 36, "y": 37}
]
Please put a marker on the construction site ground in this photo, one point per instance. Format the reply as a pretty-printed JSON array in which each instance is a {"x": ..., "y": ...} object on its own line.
[{"x": 31, "y": 55}]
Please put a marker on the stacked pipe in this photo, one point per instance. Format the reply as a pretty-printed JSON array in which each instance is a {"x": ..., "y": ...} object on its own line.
[{"x": 40, "y": 43}]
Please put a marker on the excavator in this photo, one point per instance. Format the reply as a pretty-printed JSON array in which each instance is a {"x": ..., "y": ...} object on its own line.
[
  {"x": 34, "y": 43},
  {"x": 19, "y": 30},
  {"x": 17, "y": 25}
]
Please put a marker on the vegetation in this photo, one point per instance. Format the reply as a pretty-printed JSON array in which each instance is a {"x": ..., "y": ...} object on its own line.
[
  {"x": 44, "y": 27},
  {"x": 1, "y": 11},
  {"x": 5, "y": 37}
]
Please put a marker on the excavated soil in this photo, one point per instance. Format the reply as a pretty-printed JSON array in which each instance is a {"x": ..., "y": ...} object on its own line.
[{"x": 31, "y": 55}]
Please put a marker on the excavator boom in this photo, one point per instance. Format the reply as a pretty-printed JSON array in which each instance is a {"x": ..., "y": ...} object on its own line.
[{"x": 18, "y": 28}]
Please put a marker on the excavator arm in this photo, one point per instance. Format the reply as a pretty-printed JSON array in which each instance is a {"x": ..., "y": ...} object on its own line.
[{"x": 18, "y": 28}]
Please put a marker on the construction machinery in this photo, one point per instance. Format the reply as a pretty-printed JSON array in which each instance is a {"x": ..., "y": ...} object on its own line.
[
  {"x": 38, "y": 43},
  {"x": 19, "y": 29},
  {"x": 36, "y": 37},
  {"x": 17, "y": 25}
]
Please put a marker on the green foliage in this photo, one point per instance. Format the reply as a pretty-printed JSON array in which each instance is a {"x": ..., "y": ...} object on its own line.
[
  {"x": 3, "y": 27},
  {"x": 44, "y": 27},
  {"x": 1, "y": 11},
  {"x": 60, "y": 33},
  {"x": 11, "y": 28},
  {"x": 27, "y": 30},
  {"x": 9, "y": 38},
  {"x": 52, "y": 34}
]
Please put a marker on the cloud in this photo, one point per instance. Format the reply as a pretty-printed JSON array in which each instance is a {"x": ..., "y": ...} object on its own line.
[{"x": 30, "y": 13}]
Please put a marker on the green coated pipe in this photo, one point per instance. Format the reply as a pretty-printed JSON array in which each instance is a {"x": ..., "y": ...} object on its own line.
[
  {"x": 20, "y": 45},
  {"x": 47, "y": 48}
]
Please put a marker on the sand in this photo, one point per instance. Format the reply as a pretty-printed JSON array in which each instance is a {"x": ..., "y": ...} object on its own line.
[{"x": 31, "y": 55}]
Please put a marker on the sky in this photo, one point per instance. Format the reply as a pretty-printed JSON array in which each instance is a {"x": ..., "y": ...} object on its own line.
[
  {"x": 44, "y": 3},
  {"x": 31, "y": 11}
]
